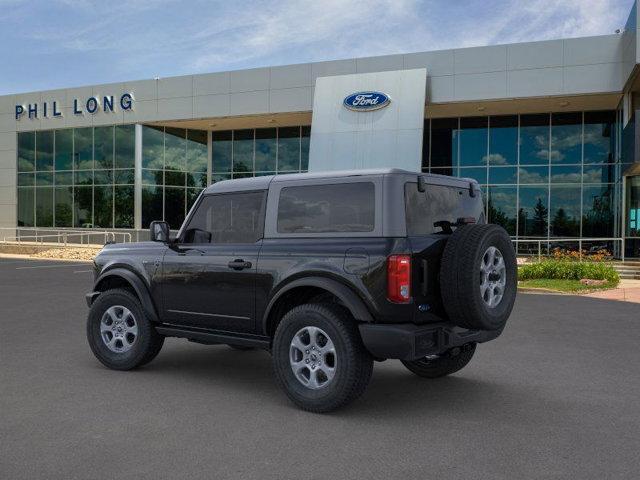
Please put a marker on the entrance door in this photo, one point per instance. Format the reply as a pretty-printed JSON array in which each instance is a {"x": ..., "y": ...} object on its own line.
[
  {"x": 632, "y": 216},
  {"x": 209, "y": 275}
]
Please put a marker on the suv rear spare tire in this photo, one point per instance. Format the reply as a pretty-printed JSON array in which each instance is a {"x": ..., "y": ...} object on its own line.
[{"x": 478, "y": 277}]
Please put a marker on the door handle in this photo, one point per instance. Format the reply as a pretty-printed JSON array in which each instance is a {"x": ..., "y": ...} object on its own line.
[{"x": 239, "y": 264}]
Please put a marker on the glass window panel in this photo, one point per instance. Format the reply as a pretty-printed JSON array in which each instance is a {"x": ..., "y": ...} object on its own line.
[
  {"x": 221, "y": 146},
  {"x": 242, "y": 175},
  {"x": 172, "y": 178},
  {"x": 125, "y": 151},
  {"x": 198, "y": 179},
  {"x": 564, "y": 212},
  {"x": 345, "y": 207},
  {"x": 83, "y": 177},
  {"x": 64, "y": 149},
  {"x": 152, "y": 147},
  {"x": 26, "y": 179},
  {"x": 599, "y": 140},
  {"x": 103, "y": 207},
  {"x": 444, "y": 147},
  {"x": 599, "y": 173},
  {"x": 266, "y": 174},
  {"x": 64, "y": 178},
  {"x": 123, "y": 206},
  {"x": 64, "y": 206},
  {"x": 44, "y": 179},
  {"x": 566, "y": 138},
  {"x": 197, "y": 151},
  {"x": 231, "y": 218},
  {"x": 44, "y": 150},
  {"x": 442, "y": 171},
  {"x": 501, "y": 207},
  {"x": 220, "y": 178},
  {"x": 534, "y": 174},
  {"x": 82, "y": 206},
  {"x": 175, "y": 149},
  {"x": 44, "y": 206},
  {"x": 479, "y": 174},
  {"x": 265, "y": 149},
  {"x": 174, "y": 206},
  {"x": 243, "y": 151},
  {"x": 152, "y": 177},
  {"x": 566, "y": 174},
  {"x": 103, "y": 147},
  {"x": 192, "y": 196},
  {"x": 83, "y": 148},
  {"x": 426, "y": 145},
  {"x": 473, "y": 141},
  {"x": 534, "y": 139},
  {"x": 26, "y": 151},
  {"x": 533, "y": 213},
  {"x": 26, "y": 202},
  {"x": 289, "y": 149},
  {"x": 503, "y": 140},
  {"x": 597, "y": 211},
  {"x": 125, "y": 176},
  {"x": 305, "y": 140},
  {"x": 438, "y": 203},
  {"x": 501, "y": 175},
  {"x": 151, "y": 204},
  {"x": 103, "y": 177}
]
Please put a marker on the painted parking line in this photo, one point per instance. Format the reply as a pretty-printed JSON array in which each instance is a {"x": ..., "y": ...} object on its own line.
[
  {"x": 51, "y": 266},
  {"x": 83, "y": 271}
]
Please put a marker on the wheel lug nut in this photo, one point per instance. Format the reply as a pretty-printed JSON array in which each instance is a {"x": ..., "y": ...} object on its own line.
[
  {"x": 306, "y": 361},
  {"x": 307, "y": 351}
]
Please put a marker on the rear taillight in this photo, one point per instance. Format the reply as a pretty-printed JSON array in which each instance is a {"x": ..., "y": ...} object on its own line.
[{"x": 399, "y": 278}]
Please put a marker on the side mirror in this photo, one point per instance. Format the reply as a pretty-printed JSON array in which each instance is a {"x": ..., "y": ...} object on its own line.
[{"x": 159, "y": 231}]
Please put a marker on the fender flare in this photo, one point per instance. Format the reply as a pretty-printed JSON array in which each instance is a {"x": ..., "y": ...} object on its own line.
[
  {"x": 346, "y": 295},
  {"x": 137, "y": 284}
]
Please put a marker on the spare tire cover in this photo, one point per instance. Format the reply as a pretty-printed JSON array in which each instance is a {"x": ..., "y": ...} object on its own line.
[{"x": 478, "y": 277}]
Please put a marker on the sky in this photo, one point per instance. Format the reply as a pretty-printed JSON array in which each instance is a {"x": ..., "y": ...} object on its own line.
[{"x": 48, "y": 44}]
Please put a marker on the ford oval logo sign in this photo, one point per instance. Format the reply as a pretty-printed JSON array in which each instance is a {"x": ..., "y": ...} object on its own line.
[{"x": 366, "y": 101}]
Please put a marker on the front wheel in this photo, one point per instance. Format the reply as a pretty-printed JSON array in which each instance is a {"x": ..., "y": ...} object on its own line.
[
  {"x": 119, "y": 333},
  {"x": 441, "y": 365},
  {"x": 319, "y": 359}
]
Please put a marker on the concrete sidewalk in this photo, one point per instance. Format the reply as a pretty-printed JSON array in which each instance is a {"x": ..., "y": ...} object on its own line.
[{"x": 627, "y": 291}]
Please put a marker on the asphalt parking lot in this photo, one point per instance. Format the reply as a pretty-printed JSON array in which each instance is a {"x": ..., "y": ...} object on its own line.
[{"x": 557, "y": 396}]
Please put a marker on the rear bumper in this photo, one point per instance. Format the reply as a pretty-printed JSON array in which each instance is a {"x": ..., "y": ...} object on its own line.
[{"x": 406, "y": 341}]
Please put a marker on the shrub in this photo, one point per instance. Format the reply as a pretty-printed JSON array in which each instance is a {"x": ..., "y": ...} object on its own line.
[{"x": 569, "y": 270}]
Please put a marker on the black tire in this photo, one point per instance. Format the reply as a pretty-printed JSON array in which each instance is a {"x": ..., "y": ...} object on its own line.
[
  {"x": 460, "y": 277},
  {"x": 353, "y": 364},
  {"x": 446, "y": 364},
  {"x": 241, "y": 348},
  {"x": 144, "y": 348}
]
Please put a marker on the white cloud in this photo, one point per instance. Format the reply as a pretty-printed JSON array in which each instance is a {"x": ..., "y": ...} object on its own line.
[{"x": 144, "y": 38}]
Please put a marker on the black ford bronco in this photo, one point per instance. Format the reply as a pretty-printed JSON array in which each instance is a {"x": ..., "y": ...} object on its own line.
[{"x": 327, "y": 271}]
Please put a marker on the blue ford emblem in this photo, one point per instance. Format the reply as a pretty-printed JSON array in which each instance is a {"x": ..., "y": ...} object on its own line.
[{"x": 366, "y": 101}]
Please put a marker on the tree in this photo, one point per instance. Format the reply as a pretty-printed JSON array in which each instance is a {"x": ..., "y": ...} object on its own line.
[{"x": 540, "y": 219}]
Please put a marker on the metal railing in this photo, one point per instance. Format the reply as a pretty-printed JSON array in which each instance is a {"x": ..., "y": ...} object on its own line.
[
  {"x": 545, "y": 246},
  {"x": 62, "y": 237}
]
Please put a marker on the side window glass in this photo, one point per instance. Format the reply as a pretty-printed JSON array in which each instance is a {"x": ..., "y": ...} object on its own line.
[
  {"x": 227, "y": 218},
  {"x": 343, "y": 207}
]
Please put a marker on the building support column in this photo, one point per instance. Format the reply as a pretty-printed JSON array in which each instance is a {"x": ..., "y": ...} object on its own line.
[{"x": 137, "y": 195}]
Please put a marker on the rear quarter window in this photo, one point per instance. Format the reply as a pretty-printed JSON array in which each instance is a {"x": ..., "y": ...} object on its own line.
[
  {"x": 343, "y": 207},
  {"x": 437, "y": 203}
]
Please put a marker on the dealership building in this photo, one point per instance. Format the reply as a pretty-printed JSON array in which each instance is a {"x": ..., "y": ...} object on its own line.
[{"x": 547, "y": 128}]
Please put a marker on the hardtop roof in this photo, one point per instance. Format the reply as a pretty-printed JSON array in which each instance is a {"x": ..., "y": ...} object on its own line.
[{"x": 262, "y": 183}]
